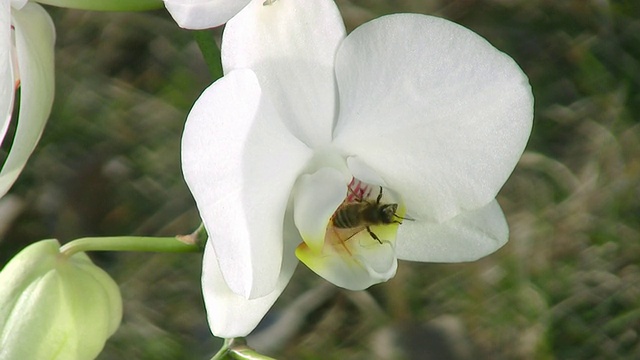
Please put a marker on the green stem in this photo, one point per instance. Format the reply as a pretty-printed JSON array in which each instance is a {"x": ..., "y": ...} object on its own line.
[
  {"x": 128, "y": 243},
  {"x": 109, "y": 5},
  {"x": 248, "y": 354},
  {"x": 210, "y": 52},
  {"x": 224, "y": 350},
  {"x": 237, "y": 349}
]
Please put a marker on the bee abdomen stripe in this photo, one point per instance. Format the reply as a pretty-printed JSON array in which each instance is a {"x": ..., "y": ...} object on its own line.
[{"x": 343, "y": 221}]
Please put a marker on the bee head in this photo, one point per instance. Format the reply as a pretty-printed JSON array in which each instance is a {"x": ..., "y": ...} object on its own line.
[{"x": 388, "y": 212}]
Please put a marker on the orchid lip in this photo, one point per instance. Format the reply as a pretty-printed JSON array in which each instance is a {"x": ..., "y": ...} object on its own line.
[
  {"x": 356, "y": 248},
  {"x": 363, "y": 209}
]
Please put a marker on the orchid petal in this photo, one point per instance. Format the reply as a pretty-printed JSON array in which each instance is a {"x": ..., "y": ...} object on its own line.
[
  {"x": 356, "y": 263},
  {"x": 241, "y": 163},
  {"x": 7, "y": 85},
  {"x": 291, "y": 46},
  {"x": 231, "y": 315},
  {"x": 434, "y": 109},
  {"x": 466, "y": 237},
  {"x": 106, "y": 5},
  {"x": 316, "y": 198},
  {"x": 203, "y": 14},
  {"x": 363, "y": 172},
  {"x": 34, "y": 37}
]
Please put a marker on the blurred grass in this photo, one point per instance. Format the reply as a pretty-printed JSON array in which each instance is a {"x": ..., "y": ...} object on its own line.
[{"x": 566, "y": 286}]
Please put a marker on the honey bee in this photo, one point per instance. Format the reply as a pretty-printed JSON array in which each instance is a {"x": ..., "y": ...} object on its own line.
[{"x": 364, "y": 214}]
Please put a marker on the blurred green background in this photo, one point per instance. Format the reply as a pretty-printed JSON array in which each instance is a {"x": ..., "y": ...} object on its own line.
[{"x": 566, "y": 286}]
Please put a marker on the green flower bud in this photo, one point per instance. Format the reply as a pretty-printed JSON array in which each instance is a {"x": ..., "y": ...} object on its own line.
[{"x": 53, "y": 306}]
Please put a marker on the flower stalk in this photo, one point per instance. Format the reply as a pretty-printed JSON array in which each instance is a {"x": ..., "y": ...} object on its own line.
[
  {"x": 210, "y": 52},
  {"x": 107, "y": 5},
  {"x": 236, "y": 348},
  {"x": 129, "y": 243}
]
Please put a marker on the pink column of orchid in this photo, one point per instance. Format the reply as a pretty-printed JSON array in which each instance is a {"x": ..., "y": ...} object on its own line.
[{"x": 415, "y": 110}]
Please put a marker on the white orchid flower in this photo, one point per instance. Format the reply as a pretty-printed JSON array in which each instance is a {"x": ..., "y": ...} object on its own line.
[
  {"x": 203, "y": 14},
  {"x": 27, "y": 37},
  {"x": 407, "y": 110}
]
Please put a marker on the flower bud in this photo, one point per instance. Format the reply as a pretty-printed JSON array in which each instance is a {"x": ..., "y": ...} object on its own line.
[{"x": 54, "y": 306}]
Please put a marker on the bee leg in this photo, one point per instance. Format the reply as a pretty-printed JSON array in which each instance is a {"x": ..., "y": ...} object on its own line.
[
  {"x": 373, "y": 235},
  {"x": 379, "y": 197}
]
